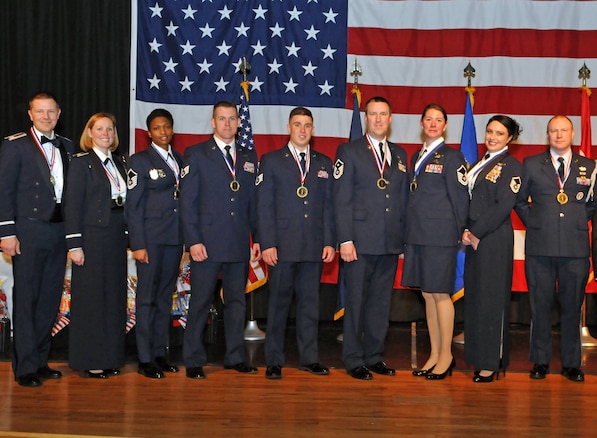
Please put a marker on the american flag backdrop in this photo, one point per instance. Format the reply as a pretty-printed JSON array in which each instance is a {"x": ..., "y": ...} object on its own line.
[{"x": 186, "y": 56}]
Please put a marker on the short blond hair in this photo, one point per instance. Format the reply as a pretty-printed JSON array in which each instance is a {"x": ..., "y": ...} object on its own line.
[{"x": 86, "y": 143}]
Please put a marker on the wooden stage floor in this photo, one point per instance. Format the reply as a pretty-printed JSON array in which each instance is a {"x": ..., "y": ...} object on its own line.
[{"x": 228, "y": 404}]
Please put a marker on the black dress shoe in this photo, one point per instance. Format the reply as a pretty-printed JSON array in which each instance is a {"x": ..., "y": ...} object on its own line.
[
  {"x": 150, "y": 370},
  {"x": 48, "y": 373},
  {"x": 30, "y": 380},
  {"x": 539, "y": 371},
  {"x": 361, "y": 373},
  {"x": 164, "y": 365},
  {"x": 381, "y": 368},
  {"x": 195, "y": 373},
  {"x": 315, "y": 368},
  {"x": 112, "y": 372},
  {"x": 422, "y": 373},
  {"x": 273, "y": 372},
  {"x": 573, "y": 373},
  {"x": 96, "y": 374},
  {"x": 241, "y": 367},
  {"x": 478, "y": 378}
]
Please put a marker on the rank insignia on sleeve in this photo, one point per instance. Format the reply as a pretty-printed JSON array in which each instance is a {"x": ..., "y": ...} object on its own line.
[
  {"x": 184, "y": 171},
  {"x": 132, "y": 179},
  {"x": 461, "y": 175},
  {"x": 515, "y": 183},
  {"x": 338, "y": 169},
  {"x": 259, "y": 179}
]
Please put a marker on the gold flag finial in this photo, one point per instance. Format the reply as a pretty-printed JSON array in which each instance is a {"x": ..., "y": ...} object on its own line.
[{"x": 584, "y": 73}]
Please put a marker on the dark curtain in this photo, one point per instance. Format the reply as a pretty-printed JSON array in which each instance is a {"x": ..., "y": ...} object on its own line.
[{"x": 77, "y": 49}]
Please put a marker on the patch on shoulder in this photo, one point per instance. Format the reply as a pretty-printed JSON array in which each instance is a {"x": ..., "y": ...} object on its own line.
[
  {"x": 338, "y": 169},
  {"x": 16, "y": 136},
  {"x": 132, "y": 179}
]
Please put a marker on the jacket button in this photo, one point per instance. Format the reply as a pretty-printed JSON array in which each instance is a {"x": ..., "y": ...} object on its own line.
[{"x": 562, "y": 214}]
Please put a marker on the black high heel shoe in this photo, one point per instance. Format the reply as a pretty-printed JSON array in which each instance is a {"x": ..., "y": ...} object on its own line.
[
  {"x": 422, "y": 373},
  {"x": 478, "y": 378},
  {"x": 433, "y": 376}
]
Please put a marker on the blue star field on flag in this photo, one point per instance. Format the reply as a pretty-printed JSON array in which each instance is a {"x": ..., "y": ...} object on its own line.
[{"x": 190, "y": 52}]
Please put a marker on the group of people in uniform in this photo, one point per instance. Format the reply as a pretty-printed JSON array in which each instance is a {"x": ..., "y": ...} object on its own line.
[{"x": 225, "y": 207}]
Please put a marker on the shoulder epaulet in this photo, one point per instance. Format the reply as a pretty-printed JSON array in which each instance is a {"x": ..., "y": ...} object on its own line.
[
  {"x": 81, "y": 154},
  {"x": 15, "y": 136},
  {"x": 65, "y": 138}
]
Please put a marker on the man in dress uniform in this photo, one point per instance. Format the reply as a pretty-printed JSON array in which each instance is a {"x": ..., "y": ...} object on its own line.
[
  {"x": 218, "y": 217},
  {"x": 369, "y": 197},
  {"x": 33, "y": 167},
  {"x": 295, "y": 223},
  {"x": 555, "y": 203},
  {"x": 155, "y": 238}
]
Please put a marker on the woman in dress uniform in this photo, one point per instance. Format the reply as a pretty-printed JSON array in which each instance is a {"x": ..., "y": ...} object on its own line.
[
  {"x": 493, "y": 184},
  {"x": 435, "y": 220},
  {"x": 97, "y": 243}
]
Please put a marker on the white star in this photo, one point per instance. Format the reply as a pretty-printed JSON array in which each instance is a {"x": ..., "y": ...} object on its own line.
[
  {"x": 330, "y": 16},
  {"x": 258, "y": 48},
  {"x": 225, "y": 13},
  {"x": 259, "y": 12},
  {"x": 170, "y": 65},
  {"x": 204, "y": 66},
  {"x": 171, "y": 29},
  {"x": 223, "y": 48},
  {"x": 312, "y": 33},
  {"x": 328, "y": 52},
  {"x": 290, "y": 86},
  {"x": 314, "y": 1},
  {"x": 156, "y": 10},
  {"x": 274, "y": 66},
  {"x": 325, "y": 88},
  {"x": 295, "y": 14},
  {"x": 154, "y": 46},
  {"x": 154, "y": 82},
  {"x": 293, "y": 50},
  {"x": 242, "y": 30},
  {"x": 237, "y": 65},
  {"x": 276, "y": 30},
  {"x": 187, "y": 48},
  {"x": 186, "y": 84},
  {"x": 256, "y": 84},
  {"x": 189, "y": 13},
  {"x": 309, "y": 69},
  {"x": 221, "y": 84},
  {"x": 206, "y": 31}
]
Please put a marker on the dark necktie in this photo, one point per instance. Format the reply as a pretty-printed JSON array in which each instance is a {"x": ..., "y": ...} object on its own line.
[
  {"x": 302, "y": 162},
  {"x": 229, "y": 156},
  {"x": 381, "y": 154},
  {"x": 45, "y": 139},
  {"x": 486, "y": 157},
  {"x": 561, "y": 169}
]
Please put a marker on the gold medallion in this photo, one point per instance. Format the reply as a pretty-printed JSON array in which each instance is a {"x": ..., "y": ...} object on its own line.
[
  {"x": 302, "y": 191},
  {"x": 413, "y": 185},
  {"x": 562, "y": 198},
  {"x": 234, "y": 185},
  {"x": 382, "y": 183},
  {"x": 119, "y": 201},
  {"x": 176, "y": 193},
  {"x": 52, "y": 180}
]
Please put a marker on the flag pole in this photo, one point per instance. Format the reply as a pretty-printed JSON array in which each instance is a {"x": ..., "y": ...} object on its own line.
[
  {"x": 586, "y": 340},
  {"x": 469, "y": 73},
  {"x": 252, "y": 330},
  {"x": 355, "y": 73}
]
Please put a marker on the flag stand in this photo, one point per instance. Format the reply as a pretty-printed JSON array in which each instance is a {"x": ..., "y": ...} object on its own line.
[{"x": 252, "y": 330}]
